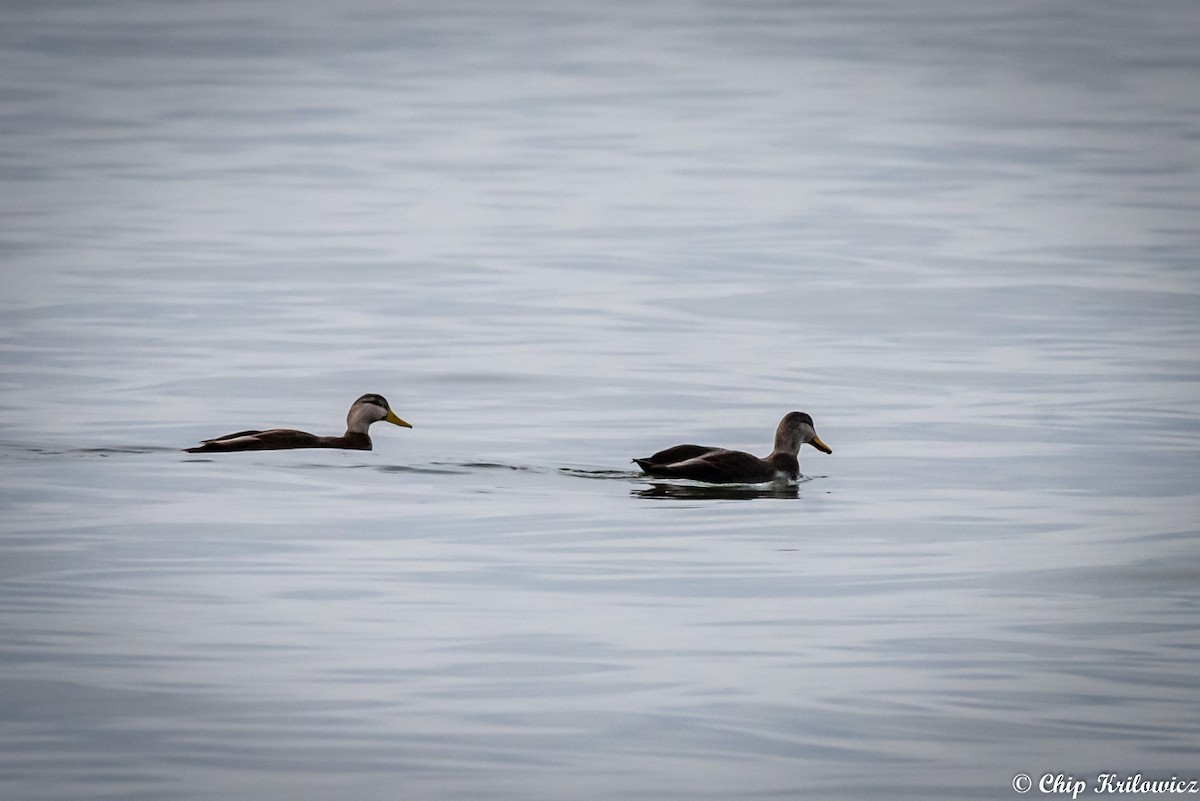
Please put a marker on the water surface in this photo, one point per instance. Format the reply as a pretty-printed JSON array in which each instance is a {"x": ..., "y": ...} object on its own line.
[{"x": 557, "y": 237}]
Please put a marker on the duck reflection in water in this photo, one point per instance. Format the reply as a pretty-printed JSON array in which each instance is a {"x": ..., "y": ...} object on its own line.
[{"x": 718, "y": 492}]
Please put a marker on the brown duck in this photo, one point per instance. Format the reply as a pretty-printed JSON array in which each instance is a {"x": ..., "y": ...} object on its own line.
[
  {"x": 723, "y": 466},
  {"x": 368, "y": 409}
]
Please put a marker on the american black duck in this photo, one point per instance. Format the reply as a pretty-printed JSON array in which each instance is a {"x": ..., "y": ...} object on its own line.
[
  {"x": 723, "y": 466},
  {"x": 368, "y": 409}
]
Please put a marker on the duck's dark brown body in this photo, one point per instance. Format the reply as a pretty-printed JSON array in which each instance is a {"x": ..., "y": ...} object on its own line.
[
  {"x": 278, "y": 439},
  {"x": 722, "y": 466}
]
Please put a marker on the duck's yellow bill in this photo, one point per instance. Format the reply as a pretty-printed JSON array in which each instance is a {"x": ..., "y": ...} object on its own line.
[
  {"x": 392, "y": 418},
  {"x": 821, "y": 446}
]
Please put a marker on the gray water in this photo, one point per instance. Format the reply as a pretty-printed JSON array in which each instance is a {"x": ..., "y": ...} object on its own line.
[{"x": 557, "y": 236}]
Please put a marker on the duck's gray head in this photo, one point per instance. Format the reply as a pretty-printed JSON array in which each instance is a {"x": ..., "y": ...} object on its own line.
[
  {"x": 795, "y": 429},
  {"x": 371, "y": 408}
]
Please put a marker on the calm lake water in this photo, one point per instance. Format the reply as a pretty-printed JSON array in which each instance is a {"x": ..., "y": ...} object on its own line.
[{"x": 557, "y": 236}]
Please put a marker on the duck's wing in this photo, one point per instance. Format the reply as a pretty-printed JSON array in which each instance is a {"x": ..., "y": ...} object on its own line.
[
  {"x": 678, "y": 453},
  {"x": 275, "y": 439},
  {"x": 235, "y": 435},
  {"x": 670, "y": 456}
]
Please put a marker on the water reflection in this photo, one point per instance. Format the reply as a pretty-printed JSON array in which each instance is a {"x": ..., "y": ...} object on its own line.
[
  {"x": 717, "y": 492},
  {"x": 690, "y": 490}
]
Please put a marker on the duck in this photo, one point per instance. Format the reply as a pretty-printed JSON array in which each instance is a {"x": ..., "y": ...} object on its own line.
[
  {"x": 370, "y": 408},
  {"x": 724, "y": 466}
]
